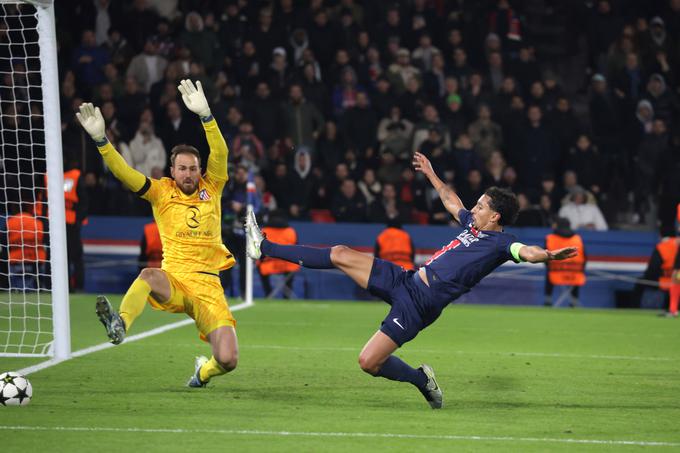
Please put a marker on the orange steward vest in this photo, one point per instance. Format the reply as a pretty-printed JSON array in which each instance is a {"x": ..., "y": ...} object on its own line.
[
  {"x": 668, "y": 249},
  {"x": 567, "y": 272},
  {"x": 285, "y": 236},
  {"x": 25, "y": 238},
  {"x": 154, "y": 247},
  {"x": 71, "y": 195},
  {"x": 394, "y": 245}
]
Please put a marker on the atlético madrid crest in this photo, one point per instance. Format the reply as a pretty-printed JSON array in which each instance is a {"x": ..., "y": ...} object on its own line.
[{"x": 203, "y": 195}]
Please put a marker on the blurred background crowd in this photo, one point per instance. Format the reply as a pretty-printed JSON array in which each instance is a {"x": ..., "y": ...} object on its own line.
[{"x": 571, "y": 104}]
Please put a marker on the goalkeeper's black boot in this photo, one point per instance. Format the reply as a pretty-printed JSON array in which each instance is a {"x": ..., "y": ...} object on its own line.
[{"x": 115, "y": 326}]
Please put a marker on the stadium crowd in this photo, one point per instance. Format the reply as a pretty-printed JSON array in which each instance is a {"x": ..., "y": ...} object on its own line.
[{"x": 573, "y": 105}]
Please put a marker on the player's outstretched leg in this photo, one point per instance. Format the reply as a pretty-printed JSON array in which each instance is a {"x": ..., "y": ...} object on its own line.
[
  {"x": 377, "y": 360},
  {"x": 257, "y": 245},
  {"x": 115, "y": 327}
]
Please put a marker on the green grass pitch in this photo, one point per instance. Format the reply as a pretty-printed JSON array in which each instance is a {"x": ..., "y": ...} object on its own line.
[{"x": 514, "y": 379}]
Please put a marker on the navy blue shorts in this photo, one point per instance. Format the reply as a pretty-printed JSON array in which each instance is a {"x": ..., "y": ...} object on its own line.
[{"x": 408, "y": 295}]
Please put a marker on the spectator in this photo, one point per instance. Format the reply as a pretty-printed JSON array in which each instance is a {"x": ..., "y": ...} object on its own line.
[
  {"x": 604, "y": 116},
  {"x": 147, "y": 67},
  {"x": 434, "y": 79},
  {"x": 461, "y": 70},
  {"x": 388, "y": 207},
  {"x": 118, "y": 48},
  {"x": 131, "y": 104},
  {"x": 454, "y": 115},
  {"x": 484, "y": 133},
  {"x": 140, "y": 22},
  {"x": 430, "y": 120},
  {"x": 349, "y": 205},
  {"x": 412, "y": 101},
  {"x": 265, "y": 115},
  {"x": 389, "y": 170},
  {"x": 247, "y": 147},
  {"x": 265, "y": 35},
  {"x": 582, "y": 215},
  {"x": 494, "y": 167},
  {"x": 146, "y": 151},
  {"x": 346, "y": 93},
  {"x": 423, "y": 55},
  {"x": 322, "y": 37},
  {"x": 249, "y": 70},
  {"x": 663, "y": 102},
  {"x": 315, "y": 90},
  {"x": 360, "y": 123},
  {"x": 279, "y": 75},
  {"x": 495, "y": 73},
  {"x": 382, "y": 98},
  {"x": 525, "y": 69},
  {"x": 564, "y": 125},
  {"x": 529, "y": 215},
  {"x": 585, "y": 160},
  {"x": 369, "y": 186},
  {"x": 538, "y": 152},
  {"x": 88, "y": 61},
  {"x": 473, "y": 188},
  {"x": 653, "y": 146},
  {"x": 331, "y": 147},
  {"x": 394, "y": 134},
  {"x": 175, "y": 129},
  {"x": 302, "y": 122},
  {"x": 402, "y": 71}
]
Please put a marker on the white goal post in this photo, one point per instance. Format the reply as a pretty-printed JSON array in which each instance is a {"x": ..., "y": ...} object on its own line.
[{"x": 34, "y": 301}]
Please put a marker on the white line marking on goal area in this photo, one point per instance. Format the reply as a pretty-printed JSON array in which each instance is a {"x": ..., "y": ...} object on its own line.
[
  {"x": 102, "y": 346},
  {"x": 248, "y": 432}
]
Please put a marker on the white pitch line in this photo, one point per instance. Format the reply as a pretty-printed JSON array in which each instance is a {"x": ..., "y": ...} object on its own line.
[
  {"x": 247, "y": 432},
  {"x": 130, "y": 339},
  {"x": 556, "y": 355}
]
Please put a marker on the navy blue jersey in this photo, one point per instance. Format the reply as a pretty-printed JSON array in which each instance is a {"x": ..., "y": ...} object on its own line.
[{"x": 463, "y": 262}]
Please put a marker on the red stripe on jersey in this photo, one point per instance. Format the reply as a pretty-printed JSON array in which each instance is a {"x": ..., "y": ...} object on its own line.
[{"x": 450, "y": 246}]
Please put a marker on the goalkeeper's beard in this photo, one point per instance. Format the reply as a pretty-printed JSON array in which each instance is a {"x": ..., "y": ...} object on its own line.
[{"x": 187, "y": 185}]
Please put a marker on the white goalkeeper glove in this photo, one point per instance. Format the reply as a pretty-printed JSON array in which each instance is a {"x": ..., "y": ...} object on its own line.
[
  {"x": 90, "y": 117},
  {"x": 194, "y": 98}
]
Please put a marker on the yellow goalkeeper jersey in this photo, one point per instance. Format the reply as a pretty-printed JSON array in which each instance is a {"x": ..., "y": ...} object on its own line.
[{"x": 189, "y": 225}]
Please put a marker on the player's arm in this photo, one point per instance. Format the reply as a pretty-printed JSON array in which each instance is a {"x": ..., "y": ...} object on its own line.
[
  {"x": 536, "y": 254},
  {"x": 452, "y": 202},
  {"x": 195, "y": 100},
  {"x": 93, "y": 122}
]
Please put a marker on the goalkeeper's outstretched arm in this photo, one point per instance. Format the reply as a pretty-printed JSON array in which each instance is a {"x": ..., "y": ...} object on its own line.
[
  {"x": 195, "y": 100},
  {"x": 93, "y": 122}
]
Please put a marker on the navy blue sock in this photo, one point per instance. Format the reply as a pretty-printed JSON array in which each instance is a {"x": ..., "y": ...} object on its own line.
[
  {"x": 396, "y": 369},
  {"x": 311, "y": 257}
]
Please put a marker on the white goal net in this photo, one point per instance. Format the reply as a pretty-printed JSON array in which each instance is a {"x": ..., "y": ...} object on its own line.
[{"x": 33, "y": 300}]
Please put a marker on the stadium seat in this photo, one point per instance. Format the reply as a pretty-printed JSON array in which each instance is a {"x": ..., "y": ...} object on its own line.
[
  {"x": 420, "y": 217},
  {"x": 321, "y": 216}
]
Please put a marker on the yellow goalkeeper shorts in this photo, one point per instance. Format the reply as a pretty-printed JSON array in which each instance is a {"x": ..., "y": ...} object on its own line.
[{"x": 200, "y": 296}]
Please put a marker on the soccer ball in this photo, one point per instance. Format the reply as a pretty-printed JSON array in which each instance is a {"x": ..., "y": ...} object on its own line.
[{"x": 15, "y": 390}]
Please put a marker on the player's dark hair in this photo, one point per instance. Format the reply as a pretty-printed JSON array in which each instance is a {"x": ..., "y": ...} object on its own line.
[
  {"x": 184, "y": 149},
  {"x": 503, "y": 202}
]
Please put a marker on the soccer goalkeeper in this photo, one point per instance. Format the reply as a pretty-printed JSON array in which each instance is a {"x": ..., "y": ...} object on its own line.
[{"x": 187, "y": 210}]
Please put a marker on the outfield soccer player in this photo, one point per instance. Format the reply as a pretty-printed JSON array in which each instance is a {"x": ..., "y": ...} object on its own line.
[
  {"x": 418, "y": 297},
  {"x": 187, "y": 210}
]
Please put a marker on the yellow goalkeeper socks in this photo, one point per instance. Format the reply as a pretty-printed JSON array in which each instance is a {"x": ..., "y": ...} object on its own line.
[
  {"x": 134, "y": 302},
  {"x": 211, "y": 368}
]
